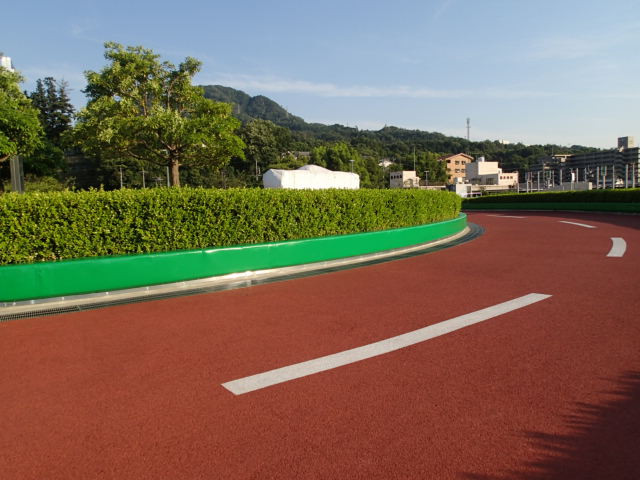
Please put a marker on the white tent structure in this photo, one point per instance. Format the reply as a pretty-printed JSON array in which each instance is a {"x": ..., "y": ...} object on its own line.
[{"x": 310, "y": 177}]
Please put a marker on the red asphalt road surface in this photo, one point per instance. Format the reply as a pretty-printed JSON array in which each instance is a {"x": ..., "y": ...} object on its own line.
[{"x": 549, "y": 391}]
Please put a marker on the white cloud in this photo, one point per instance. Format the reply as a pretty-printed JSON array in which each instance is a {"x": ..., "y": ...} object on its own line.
[
  {"x": 280, "y": 85},
  {"x": 566, "y": 47},
  {"x": 274, "y": 84},
  {"x": 442, "y": 8},
  {"x": 74, "y": 76},
  {"x": 85, "y": 31},
  {"x": 78, "y": 30}
]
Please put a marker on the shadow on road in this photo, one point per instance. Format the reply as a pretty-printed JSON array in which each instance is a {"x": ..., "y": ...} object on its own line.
[{"x": 604, "y": 443}]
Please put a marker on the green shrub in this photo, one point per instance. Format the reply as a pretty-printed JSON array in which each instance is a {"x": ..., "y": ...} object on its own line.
[
  {"x": 64, "y": 225},
  {"x": 630, "y": 195}
]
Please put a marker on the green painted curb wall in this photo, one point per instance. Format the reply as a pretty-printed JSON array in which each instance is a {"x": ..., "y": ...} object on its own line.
[
  {"x": 558, "y": 206},
  {"x": 105, "y": 274}
]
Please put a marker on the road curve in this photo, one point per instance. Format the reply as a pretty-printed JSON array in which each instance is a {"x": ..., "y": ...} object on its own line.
[{"x": 547, "y": 391}]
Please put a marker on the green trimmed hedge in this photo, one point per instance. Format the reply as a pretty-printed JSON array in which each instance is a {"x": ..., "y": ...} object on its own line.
[
  {"x": 65, "y": 225},
  {"x": 631, "y": 195}
]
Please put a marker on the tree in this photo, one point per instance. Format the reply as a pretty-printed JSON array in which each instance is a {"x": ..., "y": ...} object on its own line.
[
  {"x": 335, "y": 157},
  {"x": 51, "y": 98},
  {"x": 265, "y": 143},
  {"x": 20, "y": 129},
  {"x": 342, "y": 157},
  {"x": 146, "y": 110}
]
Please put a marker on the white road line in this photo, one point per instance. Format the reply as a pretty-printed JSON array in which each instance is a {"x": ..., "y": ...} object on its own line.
[
  {"x": 299, "y": 370},
  {"x": 578, "y": 224},
  {"x": 618, "y": 247},
  {"x": 506, "y": 216}
]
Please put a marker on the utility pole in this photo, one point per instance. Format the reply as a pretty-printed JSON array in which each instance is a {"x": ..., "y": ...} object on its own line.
[
  {"x": 17, "y": 174},
  {"x": 414, "y": 158}
]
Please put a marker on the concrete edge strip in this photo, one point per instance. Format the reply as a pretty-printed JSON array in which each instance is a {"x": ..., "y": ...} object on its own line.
[{"x": 329, "y": 362}]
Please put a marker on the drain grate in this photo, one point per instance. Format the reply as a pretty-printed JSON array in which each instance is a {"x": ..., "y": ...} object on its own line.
[{"x": 39, "y": 313}]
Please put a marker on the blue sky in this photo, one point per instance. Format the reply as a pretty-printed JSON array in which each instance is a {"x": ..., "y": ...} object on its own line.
[{"x": 562, "y": 71}]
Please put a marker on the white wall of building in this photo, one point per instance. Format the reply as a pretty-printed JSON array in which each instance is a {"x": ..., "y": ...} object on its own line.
[
  {"x": 488, "y": 173},
  {"x": 6, "y": 62},
  {"x": 312, "y": 177},
  {"x": 404, "y": 179}
]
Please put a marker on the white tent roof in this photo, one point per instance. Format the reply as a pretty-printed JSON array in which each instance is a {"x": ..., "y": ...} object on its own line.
[{"x": 310, "y": 177}]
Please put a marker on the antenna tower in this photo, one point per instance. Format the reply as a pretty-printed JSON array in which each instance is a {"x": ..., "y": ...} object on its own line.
[{"x": 468, "y": 127}]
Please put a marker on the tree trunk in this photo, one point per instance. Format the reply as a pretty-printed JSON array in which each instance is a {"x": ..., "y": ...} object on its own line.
[{"x": 175, "y": 172}]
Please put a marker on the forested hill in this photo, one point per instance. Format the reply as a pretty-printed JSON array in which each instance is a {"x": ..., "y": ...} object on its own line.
[
  {"x": 391, "y": 142},
  {"x": 246, "y": 107}
]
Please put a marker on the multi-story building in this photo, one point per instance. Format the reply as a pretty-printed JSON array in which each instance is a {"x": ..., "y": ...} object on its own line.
[
  {"x": 617, "y": 167},
  {"x": 6, "y": 62},
  {"x": 456, "y": 166},
  {"x": 547, "y": 171},
  {"x": 404, "y": 179},
  {"x": 485, "y": 173}
]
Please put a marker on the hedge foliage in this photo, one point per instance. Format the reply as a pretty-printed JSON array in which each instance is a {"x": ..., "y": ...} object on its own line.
[
  {"x": 630, "y": 195},
  {"x": 64, "y": 225}
]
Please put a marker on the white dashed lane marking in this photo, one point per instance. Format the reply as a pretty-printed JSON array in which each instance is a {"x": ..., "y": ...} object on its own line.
[
  {"x": 618, "y": 247},
  {"x": 299, "y": 370},
  {"x": 578, "y": 224}
]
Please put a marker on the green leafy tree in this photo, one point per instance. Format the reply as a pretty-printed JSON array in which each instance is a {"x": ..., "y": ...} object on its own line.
[
  {"x": 147, "y": 110},
  {"x": 288, "y": 161},
  {"x": 265, "y": 143},
  {"x": 20, "y": 129},
  {"x": 343, "y": 157},
  {"x": 336, "y": 156},
  {"x": 428, "y": 162}
]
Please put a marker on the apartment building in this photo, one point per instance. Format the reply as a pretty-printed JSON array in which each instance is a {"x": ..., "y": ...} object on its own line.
[
  {"x": 456, "y": 166},
  {"x": 619, "y": 167}
]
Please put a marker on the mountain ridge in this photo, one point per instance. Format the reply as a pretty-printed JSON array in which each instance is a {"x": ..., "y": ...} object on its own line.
[{"x": 390, "y": 141}]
